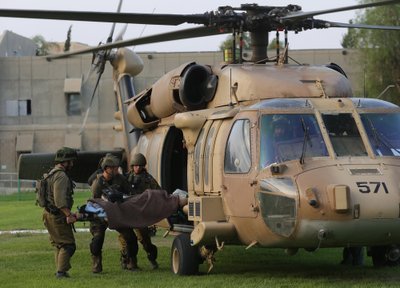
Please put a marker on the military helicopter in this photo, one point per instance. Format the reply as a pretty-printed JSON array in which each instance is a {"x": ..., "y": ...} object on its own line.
[{"x": 272, "y": 154}]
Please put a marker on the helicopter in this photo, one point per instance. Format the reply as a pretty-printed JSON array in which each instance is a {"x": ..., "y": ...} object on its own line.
[{"x": 272, "y": 154}]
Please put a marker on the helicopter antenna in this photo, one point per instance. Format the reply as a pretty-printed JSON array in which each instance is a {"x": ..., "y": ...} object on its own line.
[{"x": 232, "y": 89}]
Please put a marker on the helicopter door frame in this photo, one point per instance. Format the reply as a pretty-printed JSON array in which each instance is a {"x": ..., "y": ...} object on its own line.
[
  {"x": 238, "y": 188},
  {"x": 198, "y": 159},
  {"x": 154, "y": 152},
  {"x": 173, "y": 161},
  {"x": 209, "y": 157}
]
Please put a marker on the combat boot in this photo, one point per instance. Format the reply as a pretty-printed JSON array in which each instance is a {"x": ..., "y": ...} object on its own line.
[
  {"x": 154, "y": 264},
  {"x": 132, "y": 265},
  {"x": 97, "y": 265}
]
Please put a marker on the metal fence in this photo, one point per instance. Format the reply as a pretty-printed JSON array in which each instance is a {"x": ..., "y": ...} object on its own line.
[{"x": 9, "y": 183}]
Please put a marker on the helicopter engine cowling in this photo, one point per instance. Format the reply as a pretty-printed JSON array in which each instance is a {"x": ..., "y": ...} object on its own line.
[{"x": 188, "y": 87}]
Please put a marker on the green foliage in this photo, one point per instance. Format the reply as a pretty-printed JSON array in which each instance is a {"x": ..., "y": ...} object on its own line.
[
  {"x": 379, "y": 49},
  {"x": 227, "y": 44},
  {"x": 43, "y": 46},
  {"x": 18, "y": 211},
  {"x": 352, "y": 38},
  {"x": 272, "y": 44},
  {"x": 27, "y": 261},
  {"x": 67, "y": 44}
]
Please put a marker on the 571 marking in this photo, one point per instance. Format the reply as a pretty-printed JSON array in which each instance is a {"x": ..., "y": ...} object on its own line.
[{"x": 375, "y": 187}]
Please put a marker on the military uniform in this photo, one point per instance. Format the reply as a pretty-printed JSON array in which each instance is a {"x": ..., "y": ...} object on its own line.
[
  {"x": 140, "y": 182},
  {"x": 128, "y": 239},
  {"x": 60, "y": 196}
]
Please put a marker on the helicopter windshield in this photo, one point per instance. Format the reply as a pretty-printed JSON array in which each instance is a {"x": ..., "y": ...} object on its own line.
[
  {"x": 286, "y": 137},
  {"x": 382, "y": 131},
  {"x": 344, "y": 134}
]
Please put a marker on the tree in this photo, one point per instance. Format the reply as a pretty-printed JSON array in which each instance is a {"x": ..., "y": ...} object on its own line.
[
  {"x": 379, "y": 50},
  {"x": 67, "y": 44},
  {"x": 41, "y": 44},
  {"x": 272, "y": 44},
  {"x": 227, "y": 44}
]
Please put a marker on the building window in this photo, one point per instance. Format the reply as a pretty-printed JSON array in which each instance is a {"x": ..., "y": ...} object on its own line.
[
  {"x": 72, "y": 90},
  {"x": 74, "y": 106},
  {"x": 18, "y": 107}
]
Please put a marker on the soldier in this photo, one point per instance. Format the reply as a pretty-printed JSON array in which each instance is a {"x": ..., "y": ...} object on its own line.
[
  {"x": 110, "y": 177},
  {"x": 57, "y": 216},
  {"x": 353, "y": 256},
  {"x": 141, "y": 180}
]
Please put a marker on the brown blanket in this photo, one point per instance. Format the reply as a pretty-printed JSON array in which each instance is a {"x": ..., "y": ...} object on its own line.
[{"x": 139, "y": 210}]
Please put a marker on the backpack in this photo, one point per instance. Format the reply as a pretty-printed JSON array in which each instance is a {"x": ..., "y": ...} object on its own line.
[{"x": 42, "y": 190}]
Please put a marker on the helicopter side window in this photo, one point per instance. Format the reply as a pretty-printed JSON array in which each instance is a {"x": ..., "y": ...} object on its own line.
[
  {"x": 344, "y": 134},
  {"x": 197, "y": 151},
  {"x": 382, "y": 131},
  {"x": 237, "y": 151},
  {"x": 286, "y": 137},
  {"x": 207, "y": 154}
]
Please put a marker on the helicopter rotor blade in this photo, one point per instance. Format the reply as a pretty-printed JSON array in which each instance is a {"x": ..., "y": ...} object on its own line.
[
  {"x": 98, "y": 64},
  {"x": 175, "y": 35},
  {"x": 131, "y": 18},
  {"x": 90, "y": 103},
  {"x": 109, "y": 39},
  {"x": 121, "y": 33},
  {"x": 298, "y": 15},
  {"x": 360, "y": 26}
]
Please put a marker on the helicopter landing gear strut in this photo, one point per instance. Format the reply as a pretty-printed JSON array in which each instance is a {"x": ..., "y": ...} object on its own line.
[{"x": 185, "y": 259}]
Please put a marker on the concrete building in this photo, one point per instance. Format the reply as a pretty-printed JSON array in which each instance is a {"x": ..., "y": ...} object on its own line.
[
  {"x": 12, "y": 44},
  {"x": 42, "y": 104}
]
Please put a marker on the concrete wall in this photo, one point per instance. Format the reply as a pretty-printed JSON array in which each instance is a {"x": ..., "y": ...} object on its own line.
[{"x": 42, "y": 82}]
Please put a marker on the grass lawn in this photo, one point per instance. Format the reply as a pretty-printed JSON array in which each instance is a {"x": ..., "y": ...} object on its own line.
[{"x": 26, "y": 260}]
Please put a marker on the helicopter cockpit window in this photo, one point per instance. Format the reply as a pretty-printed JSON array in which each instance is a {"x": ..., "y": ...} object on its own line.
[
  {"x": 382, "y": 131},
  {"x": 237, "y": 152},
  {"x": 344, "y": 134},
  {"x": 372, "y": 103},
  {"x": 286, "y": 137}
]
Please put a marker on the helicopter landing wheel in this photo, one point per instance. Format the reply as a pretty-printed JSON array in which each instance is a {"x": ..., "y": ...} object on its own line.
[
  {"x": 382, "y": 255},
  {"x": 184, "y": 257}
]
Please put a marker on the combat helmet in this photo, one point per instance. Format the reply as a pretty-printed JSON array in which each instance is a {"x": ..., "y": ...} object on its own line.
[
  {"x": 109, "y": 161},
  {"x": 138, "y": 160},
  {"x": 65, "y": 154}
]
